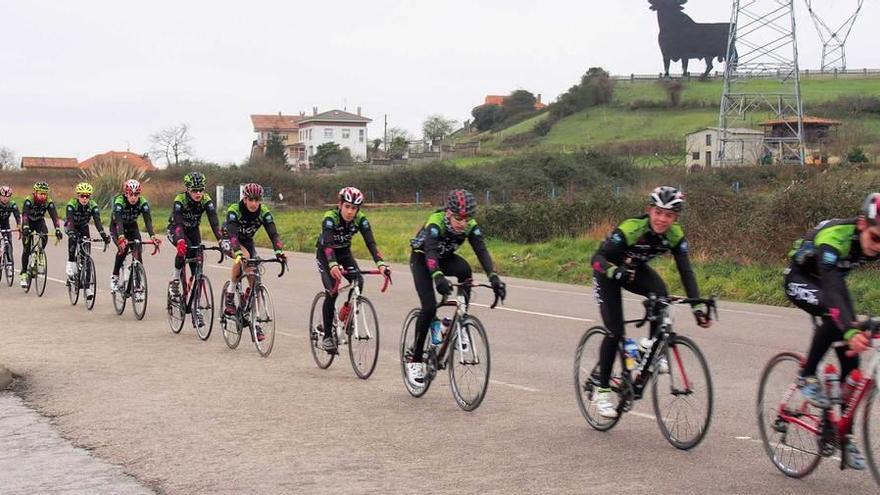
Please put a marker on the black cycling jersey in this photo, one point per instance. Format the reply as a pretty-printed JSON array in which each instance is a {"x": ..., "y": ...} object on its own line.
[
  {"x": 336, "y": 234},
  {"x": 7, "y": 210},
  {"x": 34, "y": 211},
  {"x": 187, "y": 214},
  {"x": 242, "y": 224},
  {"x": 125, "y": 214},
  {"x": 438, "y": 241},
  {"x": 79, "y": 215}
]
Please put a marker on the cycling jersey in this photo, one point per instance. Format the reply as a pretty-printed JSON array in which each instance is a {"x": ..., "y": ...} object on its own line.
[
  {"x": 187, "y": 214},
  {"x": 242, "y": 224},
  {"x": 34, "y": 211},
  {"x": 438, "y": 241},
  {"x": 633, "y": 243},
  {"x": 78, "y": 215},
  {"x": 336, "y": 234},
  {"x": 7, "y": 210},
  {"x": 125, "y": 214}
]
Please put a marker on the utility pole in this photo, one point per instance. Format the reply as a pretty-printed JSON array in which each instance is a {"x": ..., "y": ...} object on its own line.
[{"x": 385, "y": 140}]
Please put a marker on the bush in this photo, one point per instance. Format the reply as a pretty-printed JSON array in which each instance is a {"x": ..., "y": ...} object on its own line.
[
  {"x": 107, "y": 177},
  {"x": 856, "y": 155}
]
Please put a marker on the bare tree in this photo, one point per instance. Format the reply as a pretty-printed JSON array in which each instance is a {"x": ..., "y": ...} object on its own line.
[
  {"x": 172, "y": 144},
  {"x": 7, "y": 158},
  {"x": 438, "y": 127}
]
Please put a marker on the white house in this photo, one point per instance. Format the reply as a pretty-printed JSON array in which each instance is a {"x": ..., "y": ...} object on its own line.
[
  {"x": 744, "y": 146},
  {"x": 348, "y": 130}
]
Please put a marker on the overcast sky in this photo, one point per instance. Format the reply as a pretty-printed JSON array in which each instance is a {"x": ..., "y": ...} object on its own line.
[{"x": 80, "y": 78}]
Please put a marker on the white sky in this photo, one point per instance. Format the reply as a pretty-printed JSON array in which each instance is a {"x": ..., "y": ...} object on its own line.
[{"x": 82, "y": 77}]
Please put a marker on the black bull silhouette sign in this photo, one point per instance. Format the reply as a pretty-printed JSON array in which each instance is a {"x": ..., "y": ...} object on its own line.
[{"x": 683, "y": 39}]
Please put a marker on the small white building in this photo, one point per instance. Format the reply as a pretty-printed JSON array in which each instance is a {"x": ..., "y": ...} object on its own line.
[
  {"x": 744, "y": 146},
  {"x": 348, "y": 130}
]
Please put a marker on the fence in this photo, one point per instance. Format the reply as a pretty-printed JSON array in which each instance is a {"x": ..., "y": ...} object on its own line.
[{"x": 719, "y": 76}]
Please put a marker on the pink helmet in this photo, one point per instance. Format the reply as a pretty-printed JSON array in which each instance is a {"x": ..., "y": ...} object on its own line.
[
  {"x": 131, "y": 186},
  {"x": 252, "y": 191},
  {"x": 5, "y": 191},
  {"x": 351, "y": 195}
]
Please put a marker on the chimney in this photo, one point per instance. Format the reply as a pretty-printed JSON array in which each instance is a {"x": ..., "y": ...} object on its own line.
[
  {"x": 279, "y": 113},
  {"x": 539, "y": 98},
  {"x": 302, "y": 114},
  {"x": 314, "y": 111},
  {"x": 359, "y": 111}
]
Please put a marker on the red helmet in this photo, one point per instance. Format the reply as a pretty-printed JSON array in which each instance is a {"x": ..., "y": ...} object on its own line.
[
  {"x": 5, "y": 191},
  {"x": 871, "y": 207},
  {"x": 351, "y": 195},
  {"x": 131, "y": 186},
  {"x": 252, "y": 191}
]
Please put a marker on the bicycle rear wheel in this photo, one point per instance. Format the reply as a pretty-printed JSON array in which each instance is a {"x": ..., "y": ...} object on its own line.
[
  {"x": 363, "y": 348},
  {"x": 407, "y": 344},
  {"x": 684, "y": 411},
  {"x": 120, "y": 295},
  {"x": 784, "y": 416},
  {"x": 231, "y": 325},
  {"x": 871, "y": 432},
  {"x": 176, "y": 307},
  {"x": 90, "y": 283},
  {"x": 30, "y": 272},
  {"x": 204, "y": 305},
  {"x": 316, "y": 317},
  {"x": 138, "y": 285},
  {"x": 40, "y": 273},
  {"x": 9, "y": 267},
  {"x": 469, "y": 364},
  {"x": 586, "y": 379}
]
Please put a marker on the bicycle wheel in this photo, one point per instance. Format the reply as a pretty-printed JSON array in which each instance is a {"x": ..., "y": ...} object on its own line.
[
  {"x": 40, "y": 278},
  {"x": 138, "y": 286},
  {"x": 90, "y": 283},
  {"x": 407, "y": 343},
  {"x": 363, "y": 347},
  {"x": 685, "y": 413},
  {"x": 9, "y": 268},
  {"x": 263, "y": 319},
  {"x": 204, "y": 304},
  {"x": 469, "y": 364},
  {"x": 784, "y": 416},
  {"x": 231, "y": 325},
  {"x": 871, "y": 432},
  {"x": 316, "y": 317},
  {"x": 176, "y": 307},
  {"x": 586, "y": 378},
  {"x": 73, "y": 289},
  {"x": 124, "y": 288},
  {"x": 30, "y": 272}
]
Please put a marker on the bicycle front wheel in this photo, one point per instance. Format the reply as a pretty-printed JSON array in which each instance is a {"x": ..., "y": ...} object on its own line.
[
  {"x": 263, "y": 321},
  {"x": 586, "y": 379},
  {"x": 138, "y": 286},
  {"x": 90, "y": 283},
  {"x": 120, "y": 295},
  {"x": 9, "y": 268},
  {"x": 871, "y": 431},
  {"x": 204, "y": 306},
  {"x": 231, "y": 325},
  {"x": 407, "y": 346},
  {"x": 363, "y": 339},
  {"x": 40, "y": 273},
  {"x": 176, "y": 307},
  {"x": 316, "y": 336},
  {"x": 682, "y": 396},
  {"x": 469, "y": 364},
  {"x": 73, "y": 289}
]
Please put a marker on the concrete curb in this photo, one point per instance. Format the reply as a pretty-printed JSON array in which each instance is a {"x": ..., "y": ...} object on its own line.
[{"x": 5, "y": 377}]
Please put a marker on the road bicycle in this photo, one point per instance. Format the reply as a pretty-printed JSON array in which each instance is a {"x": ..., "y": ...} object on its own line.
[
  {"x": 253, "y": 307},
  {"x": 355, "y": 324},
  {"x": 134, "y": 280},
  {"x": 797, "y": 435},
  {"x": 7, "y": 262},
  {"x": 35, "y": 274},
  {"x": 84, "y": 279},
  {"x": 195, "y": 296},
  {"x": 463, "y": 350},
  {"x": 681, "y": 386}
]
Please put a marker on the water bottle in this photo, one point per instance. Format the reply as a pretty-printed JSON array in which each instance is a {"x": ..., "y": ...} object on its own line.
[
  {"x": 631, "y": 349},
  {"x": 344, "y": 310},
  {"x": 438, "y": 330},
  {"x": 832, "y": 379},
  {"x": 852, "y": 382}
]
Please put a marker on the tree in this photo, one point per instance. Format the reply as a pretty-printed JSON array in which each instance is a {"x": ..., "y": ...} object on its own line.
[
  {"x": 486, "y": 116},
  {"x": 397, "y": 148},
  {"x": 329, "y": 155},
  {"x": 7, "y": 158},
  {"x": 437, "y": 127},
  {"x": 376, "y": 143},
  {"x": 519, "y": 102},
  {"x": 172, "y": 144},
  {"x": 276, "y": 152}
]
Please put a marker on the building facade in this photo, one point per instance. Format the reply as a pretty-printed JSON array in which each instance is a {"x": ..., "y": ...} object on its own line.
[
  {"x": 704, "y": 146},
  {"x": 348, "y": 130}
]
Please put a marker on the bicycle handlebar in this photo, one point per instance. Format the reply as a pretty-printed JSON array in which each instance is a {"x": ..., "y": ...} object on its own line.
[
  {"x": 142, "y": 243},
  {"x": 259, "y": 261},
  {"x": 445, "y": 300},
  {"x": 202, "y": 247},
  {"x": 653, "y": 300},
  {"x": 344, "y": 272}
]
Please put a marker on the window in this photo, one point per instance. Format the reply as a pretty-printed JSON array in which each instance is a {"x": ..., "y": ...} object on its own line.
[
  {"x": 361, "y": 135},
  {"x": 708, "y": 159},
  {"x": 695, "y": 155},
  {"x": 328, "y": 133},
  {"x": 310, "y": 134},
  {"x": 708, "y": 140},
  {"x": 346, "y": 133}
]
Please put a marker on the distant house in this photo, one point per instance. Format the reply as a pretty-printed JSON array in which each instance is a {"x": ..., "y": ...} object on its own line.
[
  {"x": 286, "y": 127},
  {"x": 745, "y": 146},
  {"x": 48, "y": 163},
  {"x": 817, "y": 134},
  {"x": 346, "y": 129},
  {"x": 142, "y": 162},
  {"x": 499, "y": 100}
]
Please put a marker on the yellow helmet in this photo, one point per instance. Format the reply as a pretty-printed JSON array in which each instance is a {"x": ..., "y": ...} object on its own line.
[{"x": 84, "y": 188}]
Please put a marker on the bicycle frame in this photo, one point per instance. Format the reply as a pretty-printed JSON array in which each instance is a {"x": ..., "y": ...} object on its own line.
[
  {"x": 251, "y": 270},
  {"x": 199, "y": 260},
  {"x": 130, "y": 250},
  {"x": 354, "y": 292},
  {"x": 460, "y": 303}
]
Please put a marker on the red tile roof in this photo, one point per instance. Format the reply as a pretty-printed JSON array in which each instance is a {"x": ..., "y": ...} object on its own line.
[
  {"x": 48, "y": 162},
  {"x": 139, "y": 161},
  {"x": 499, "y": 100},
  {"x": 275, "y": 122},
  {"x": 807, "y": 121}
]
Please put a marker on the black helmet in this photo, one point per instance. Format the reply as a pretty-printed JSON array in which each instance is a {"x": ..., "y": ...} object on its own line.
[
  {"x": 461, "y": 203},
  {"x": 667, "y": 198}
]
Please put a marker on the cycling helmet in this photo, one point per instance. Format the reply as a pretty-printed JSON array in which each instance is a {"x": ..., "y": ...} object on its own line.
[
  {"x": 667, "y": 198},
  {"x": 461, "y": 203},
  {"x": 6, "y": 191},
  {"x": 252, "y": 191},
  {"x": 41, "y": 186},
  {"x": 131, "y": 186},
  {"x": 351, "y": 195},
  {"x": 871, "y": 207},
  {"x": 194, "y": 181},
  {"x": 84, "y": 188}
]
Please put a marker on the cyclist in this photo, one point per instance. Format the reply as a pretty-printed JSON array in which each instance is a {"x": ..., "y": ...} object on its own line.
[
  {"x": 183, "y": 225},
  {"x": 8, "y": 208},
  {"x": 433, "y": 258},
  {"x": 243, "y": 219},
  {"x": 80, "y": 211},
  {"x": 815, "y": 281},
  {"x": 127, "y": 207},
  {"x": 33, "y": 213},
  {"x": 621, "y": 262}
]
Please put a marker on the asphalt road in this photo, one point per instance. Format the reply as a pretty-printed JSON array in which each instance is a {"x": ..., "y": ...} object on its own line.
[{"x": 186, "y": 416}]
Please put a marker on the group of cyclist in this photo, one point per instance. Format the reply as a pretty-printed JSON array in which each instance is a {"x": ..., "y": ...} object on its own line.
[{"x": 814, "y": 280}]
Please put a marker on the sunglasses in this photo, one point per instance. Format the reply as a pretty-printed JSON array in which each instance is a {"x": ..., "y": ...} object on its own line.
[
  {"x": 85, "y": 196},
  {"x": 256, "y": 199},
  {"x": 196, "y": 190}
]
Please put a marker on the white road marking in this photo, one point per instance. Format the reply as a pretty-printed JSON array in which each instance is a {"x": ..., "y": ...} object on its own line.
[
  {"x": 513, "y": 385},
  {"x": 643, "y": 415},
  {"x": 757, "y": 440},
  {"x": 63, "y": 282},
  {"x": 536, "y": 313}
]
